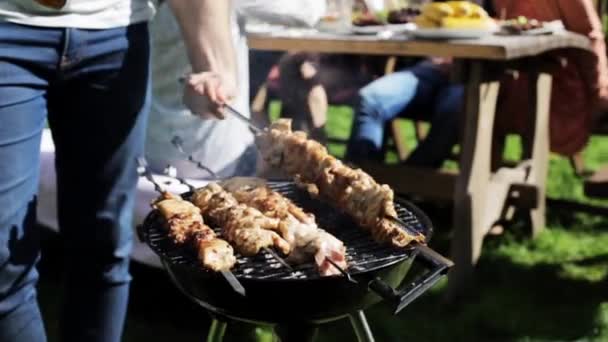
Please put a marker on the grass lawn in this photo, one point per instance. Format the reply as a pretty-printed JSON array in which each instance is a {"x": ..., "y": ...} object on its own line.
[{"x": 553, "y": 288}]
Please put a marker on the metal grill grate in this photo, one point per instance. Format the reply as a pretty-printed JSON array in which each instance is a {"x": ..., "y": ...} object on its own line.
[{"x": 363, "y": 254}]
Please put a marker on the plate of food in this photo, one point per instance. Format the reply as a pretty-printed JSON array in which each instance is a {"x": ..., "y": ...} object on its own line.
[
  {"x": 529, "y": 27},
  {"x": 453, "y": 20},
  {"x": 400, "y": 20}
]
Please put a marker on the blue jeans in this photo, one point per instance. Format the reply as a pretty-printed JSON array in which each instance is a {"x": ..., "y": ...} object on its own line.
[
  {"x": 422, "y": 92},
  {"x": 92, "y": 86}
]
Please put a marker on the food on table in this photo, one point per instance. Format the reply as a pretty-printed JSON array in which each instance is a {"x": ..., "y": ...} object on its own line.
[
  {"x": 402, "y": 16},
  {"x": 521, "y": 24},
  {"x": 397, "y": 16},
  {"x": 297, "y": 227},
  {"x": 185, "y": 224},
  {"x": 454, "y": 15},
  {"x": 366, "y": 19},
  {"x": 243, "y": 226},
  {"x": 352, "y": 190}
]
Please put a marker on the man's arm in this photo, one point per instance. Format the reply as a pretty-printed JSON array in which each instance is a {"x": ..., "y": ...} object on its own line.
[{"x": 206, "y": 28}]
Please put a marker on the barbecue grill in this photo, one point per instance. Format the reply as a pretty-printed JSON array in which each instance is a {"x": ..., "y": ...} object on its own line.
[{"x": 276, "y": 295}]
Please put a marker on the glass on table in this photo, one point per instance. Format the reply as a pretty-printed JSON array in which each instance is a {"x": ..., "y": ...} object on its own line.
[{"x": 338, "y": 17}]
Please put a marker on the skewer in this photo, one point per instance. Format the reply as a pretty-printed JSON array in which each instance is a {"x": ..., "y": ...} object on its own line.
[
  {"x": 344, "y": 272},
  {"x": 143, "y": 171},
  {"x": 234, "y": 283},
  {"x": 272, "y": 253},
  {"x": 168, "y": 172},
  {"x": 256, "y": 130},
  {"x": 278, "y": 258},
  {"x": 401, "y": 223},
  {"x": 178, "y": 143}
]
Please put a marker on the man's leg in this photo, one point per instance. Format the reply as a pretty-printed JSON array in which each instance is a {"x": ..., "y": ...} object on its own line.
[
  {"x": 22, "y": 117},
  {"x": 380, "y": 101},
  {"x": 443, "y": 134},
  {"x": 98, "y": 118}
]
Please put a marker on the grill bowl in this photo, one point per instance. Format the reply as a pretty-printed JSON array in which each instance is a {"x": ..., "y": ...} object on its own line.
[{"x": 274, "y": 294}]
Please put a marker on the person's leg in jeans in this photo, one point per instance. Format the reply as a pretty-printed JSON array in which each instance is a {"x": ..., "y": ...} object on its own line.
[
  {"x": 443, "y": 134},
  {"x": 380, "y": 101},
  {"x": 27, "y": 63},
  {"x": 97, "y": 113},
  {"x": 260, "y": 64}
]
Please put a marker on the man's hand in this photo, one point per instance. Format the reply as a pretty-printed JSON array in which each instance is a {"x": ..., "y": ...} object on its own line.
[
  {"x": 206, "y": 28},
  {"x": 206, "y": 92}
]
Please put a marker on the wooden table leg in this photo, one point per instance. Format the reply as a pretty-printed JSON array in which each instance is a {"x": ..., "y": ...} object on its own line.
[
  {"x": 540, "y": 103},
  {"x": 475, "y": 172}
]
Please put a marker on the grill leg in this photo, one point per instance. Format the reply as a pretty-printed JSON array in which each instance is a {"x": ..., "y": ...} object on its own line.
[
  {"x": 216, "y": 331},
  {"x": 297, "y": 332},
  {"x": 359, "y": 322}
]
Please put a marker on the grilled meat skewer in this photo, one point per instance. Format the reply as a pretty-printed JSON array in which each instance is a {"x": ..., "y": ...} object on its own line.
[
  {"x": 352, "y": 190},
  {"x": 186, "y": 226},
  {"x": 245, "y": 227},
  {"x": 297, "y": 227}
]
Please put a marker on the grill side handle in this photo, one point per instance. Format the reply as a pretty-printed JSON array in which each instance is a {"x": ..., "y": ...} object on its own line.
[{"x": 437, "y": 267}]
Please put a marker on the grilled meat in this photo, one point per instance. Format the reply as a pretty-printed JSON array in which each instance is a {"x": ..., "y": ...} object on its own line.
[
  {"x": 245, "y": 227},
  {"x": 352, "y": 190},
  {"x": 297, "y": 227},
  {"x": 185, "y": 225}
]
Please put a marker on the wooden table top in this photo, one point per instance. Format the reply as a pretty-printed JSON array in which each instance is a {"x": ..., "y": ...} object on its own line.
[{"x": 491, "y": 47}]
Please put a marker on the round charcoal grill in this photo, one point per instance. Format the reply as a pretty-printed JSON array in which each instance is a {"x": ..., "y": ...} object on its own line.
[{"x": 276, "y": 295}]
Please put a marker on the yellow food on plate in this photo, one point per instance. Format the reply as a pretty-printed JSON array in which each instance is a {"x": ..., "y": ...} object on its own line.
[
  {"x": 462, "y": 8},
  {"x": 424, "y": 22},
  {"x": 454, "y": 15},
  {"x": 466, "y": 23},
  {"x": 436, "y": 11}
]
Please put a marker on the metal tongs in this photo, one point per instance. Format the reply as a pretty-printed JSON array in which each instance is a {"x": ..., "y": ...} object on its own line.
[
  {"x": 144, "y": 171},
  {"x": 235, "y": 112}
]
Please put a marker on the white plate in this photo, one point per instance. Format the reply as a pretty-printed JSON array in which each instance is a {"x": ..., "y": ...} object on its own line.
[
  {"x": 443, "y": 33},
  {"x": 377, "y": 29}
]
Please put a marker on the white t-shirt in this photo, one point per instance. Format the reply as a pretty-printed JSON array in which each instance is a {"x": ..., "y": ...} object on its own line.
[{"x": 86, "y": 14}]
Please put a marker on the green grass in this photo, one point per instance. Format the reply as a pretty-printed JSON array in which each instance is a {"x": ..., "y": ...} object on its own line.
[{"x": 552, "y": 288}]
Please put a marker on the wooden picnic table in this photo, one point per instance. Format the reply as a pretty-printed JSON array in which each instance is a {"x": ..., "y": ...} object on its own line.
[{"x": 483, "y": 195}]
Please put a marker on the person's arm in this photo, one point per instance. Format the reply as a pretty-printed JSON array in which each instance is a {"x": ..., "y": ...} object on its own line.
[
  {"x": 285, "y": 12},
  {"x": 206, "y": 29},
  {"x": 580, "y": 16}
]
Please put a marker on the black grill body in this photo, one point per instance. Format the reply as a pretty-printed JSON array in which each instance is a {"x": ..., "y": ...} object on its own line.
[{"x": 275, "y": 295}]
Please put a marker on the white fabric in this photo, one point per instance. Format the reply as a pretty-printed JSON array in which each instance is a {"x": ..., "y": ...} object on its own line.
[
  {"x": 47, "y": 198},
  {"x": 217, "y": 144},
  {"x": 285, "y": 12},
  {"x": 86, "y": 14}
]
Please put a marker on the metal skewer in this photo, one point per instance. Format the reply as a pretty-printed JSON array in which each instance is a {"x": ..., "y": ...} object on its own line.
[
  {"x": 256, "y": 130},
  {"x": 278, "y": 258},
  {"x": 343, "y": 271},
  {"x": 403, "y": 225},
  {"x": 145, "y": 172},
  {"x": 168, "y": 172},
  {"x": 178, "y": 143}
]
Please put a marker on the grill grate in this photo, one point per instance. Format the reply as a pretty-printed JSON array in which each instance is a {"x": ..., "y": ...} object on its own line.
[{"x": 363, "y": 253}]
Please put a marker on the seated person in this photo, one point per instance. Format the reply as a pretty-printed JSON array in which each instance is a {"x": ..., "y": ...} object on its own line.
[
  {"x": 583, "y": 82},
  {"x": 224, "y": 146},
  {"x": 579, "y": 89},
  {"x": 419, "y": 92}
]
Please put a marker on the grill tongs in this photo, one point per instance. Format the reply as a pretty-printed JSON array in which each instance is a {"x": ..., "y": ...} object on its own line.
[{"x": 145, "y": 172}]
